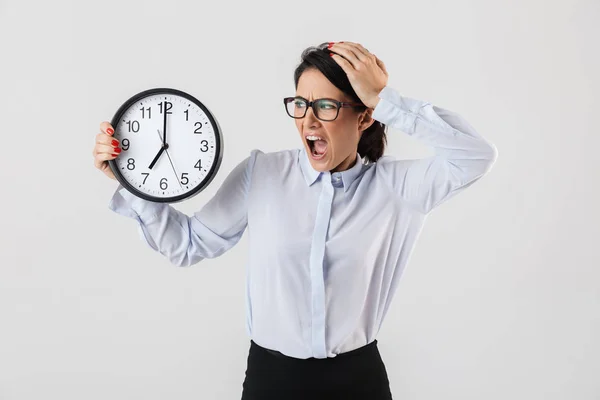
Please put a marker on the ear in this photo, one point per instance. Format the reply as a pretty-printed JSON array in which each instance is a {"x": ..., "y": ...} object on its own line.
[{"x": 365, "y": 120}]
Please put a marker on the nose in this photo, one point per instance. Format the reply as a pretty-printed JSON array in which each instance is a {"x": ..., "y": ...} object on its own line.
[{"x": 310, "y": 120}]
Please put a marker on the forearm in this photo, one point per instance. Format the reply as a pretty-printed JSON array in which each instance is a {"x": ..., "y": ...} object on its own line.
[
  {"x": 445, "y": 131},
  {"x": 183, "y": 240}
]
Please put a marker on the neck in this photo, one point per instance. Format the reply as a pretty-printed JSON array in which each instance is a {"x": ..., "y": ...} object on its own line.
[{"x": 346, "y": 164}]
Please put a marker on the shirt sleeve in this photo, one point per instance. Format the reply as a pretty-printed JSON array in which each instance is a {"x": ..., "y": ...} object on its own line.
[
  {"x": 186, "y": 240},
  {"x": 461, "y": 155}
]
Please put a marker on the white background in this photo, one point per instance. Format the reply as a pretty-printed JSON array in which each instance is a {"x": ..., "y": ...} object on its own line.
[{"x": 501, "y": 298}]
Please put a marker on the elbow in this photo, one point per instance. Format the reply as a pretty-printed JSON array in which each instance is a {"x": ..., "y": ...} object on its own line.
[
  {"x": 491, "y": 156},
  {"x": 484, "y": 158},
  {"x": 186, "y": 254},
  {"x": 186, "y": 260},
  {"x": 493, "y": 153},
  {"x": 181, "y": 262}
]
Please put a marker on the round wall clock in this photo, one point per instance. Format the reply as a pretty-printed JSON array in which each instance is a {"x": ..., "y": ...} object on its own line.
[{"x": 171, "y": 145}]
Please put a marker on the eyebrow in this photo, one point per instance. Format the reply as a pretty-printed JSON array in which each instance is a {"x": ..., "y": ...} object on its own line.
[{"x": 320, "y": 98}]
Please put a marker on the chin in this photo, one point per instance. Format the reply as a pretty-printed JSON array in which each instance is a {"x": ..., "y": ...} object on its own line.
[{"x": 320, "y": 166}]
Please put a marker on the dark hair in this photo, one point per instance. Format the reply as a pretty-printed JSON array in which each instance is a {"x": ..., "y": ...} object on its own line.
[{"x": 373, "y": 140}]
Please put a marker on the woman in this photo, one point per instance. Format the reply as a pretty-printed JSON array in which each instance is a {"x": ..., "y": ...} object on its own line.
[{"x": 331, "y": 225}]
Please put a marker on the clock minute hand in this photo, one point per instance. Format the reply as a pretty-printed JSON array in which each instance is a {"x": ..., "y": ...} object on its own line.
[{"x": 164, "y": 139}]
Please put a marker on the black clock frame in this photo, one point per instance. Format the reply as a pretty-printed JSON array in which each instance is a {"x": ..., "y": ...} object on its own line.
[{"x": 218, "y": 136}]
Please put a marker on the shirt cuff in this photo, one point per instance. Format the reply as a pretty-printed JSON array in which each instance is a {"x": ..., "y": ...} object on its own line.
[
  {"x": 143, "y": 211},
  {"x": 125, "y": 203},
  {"x": 390, "y": 110}
]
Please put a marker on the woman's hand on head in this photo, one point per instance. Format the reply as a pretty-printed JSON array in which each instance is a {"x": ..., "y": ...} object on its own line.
[
  {"x": 106, "y": 148},
  {"x": 366, "y": 72}
]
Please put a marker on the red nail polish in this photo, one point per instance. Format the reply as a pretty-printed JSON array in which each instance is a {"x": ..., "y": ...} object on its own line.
[
  {"x": 117, "y": 150},
  {"x": 331, "y": 54},
  {"x": 329, "y": 45},
  {"x": 115, "y": 155},
  {"x": 110, "y": 131},
  {"x": 115, "y": 143}
]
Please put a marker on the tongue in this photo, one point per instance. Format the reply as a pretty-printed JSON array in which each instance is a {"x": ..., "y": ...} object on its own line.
[{"x": 320, "y": 146}]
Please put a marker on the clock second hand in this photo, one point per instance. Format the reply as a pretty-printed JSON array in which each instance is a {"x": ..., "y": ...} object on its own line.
[{"x": 161, "y": 137}]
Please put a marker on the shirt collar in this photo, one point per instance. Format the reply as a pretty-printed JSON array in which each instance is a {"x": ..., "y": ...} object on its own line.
[{"x": 311, "y": 175}]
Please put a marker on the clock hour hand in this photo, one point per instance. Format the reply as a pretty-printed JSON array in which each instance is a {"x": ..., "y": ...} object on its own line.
[{"x": 162, "y": 148}]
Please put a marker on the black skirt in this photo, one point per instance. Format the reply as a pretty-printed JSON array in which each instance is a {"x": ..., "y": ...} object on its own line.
[{"x": 359, "y": 374}]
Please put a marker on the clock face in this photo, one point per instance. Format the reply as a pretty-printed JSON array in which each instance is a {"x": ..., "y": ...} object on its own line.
[{"x": 166, "y": 168}]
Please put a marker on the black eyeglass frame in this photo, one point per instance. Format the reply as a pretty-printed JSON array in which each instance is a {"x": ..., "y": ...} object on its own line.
[{"x": 340, "y": 104}]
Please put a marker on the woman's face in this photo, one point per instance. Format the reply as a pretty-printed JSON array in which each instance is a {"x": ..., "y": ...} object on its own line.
[{"x": 340, "y": 136}]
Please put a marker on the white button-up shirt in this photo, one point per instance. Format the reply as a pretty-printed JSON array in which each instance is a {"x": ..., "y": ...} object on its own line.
[{"x": 326, "y": 250}]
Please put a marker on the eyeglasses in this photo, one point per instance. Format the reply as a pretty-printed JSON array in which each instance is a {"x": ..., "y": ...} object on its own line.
[{"x": 324, "y": 109}]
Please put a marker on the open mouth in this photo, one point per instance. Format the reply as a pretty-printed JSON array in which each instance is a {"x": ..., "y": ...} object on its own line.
[{"x": 317, "y": 146}]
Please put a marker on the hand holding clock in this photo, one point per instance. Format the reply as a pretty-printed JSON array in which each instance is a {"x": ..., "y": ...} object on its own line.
[{"x": 106, "y": 148}]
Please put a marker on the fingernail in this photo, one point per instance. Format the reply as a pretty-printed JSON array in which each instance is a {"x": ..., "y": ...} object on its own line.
[
  {"x": 329, "y": 45},
  {"x": 115, "y": 142},
  {"x": 117, "y": 150},
  {"x": 110, "y": 131},
  {"x": 115, "y": 155},
  {"x": 331, "y": 54}
]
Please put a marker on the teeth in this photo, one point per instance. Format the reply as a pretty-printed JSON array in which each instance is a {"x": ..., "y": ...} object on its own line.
[{"x": 313, "y": 138}]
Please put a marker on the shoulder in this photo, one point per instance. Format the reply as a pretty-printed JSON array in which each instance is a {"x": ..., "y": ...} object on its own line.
[
  {"x": 384, "y": 165},
  {"x": 385, "y": 170}
]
